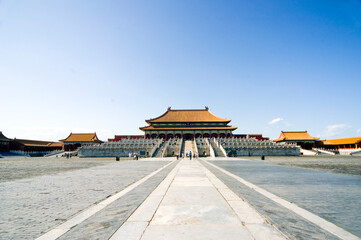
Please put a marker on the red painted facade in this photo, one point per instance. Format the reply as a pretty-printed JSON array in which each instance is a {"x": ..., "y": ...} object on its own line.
[{"x": 118, "y": 138}]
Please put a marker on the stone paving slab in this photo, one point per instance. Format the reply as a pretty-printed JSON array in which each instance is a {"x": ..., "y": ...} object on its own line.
[
  {"x": 334, "y": 197},
  {"x": 103, "y": 224},
  {"x": 134, "y": 227},
  {"x": 14, "y": 168},
  {"x": 291, "y": 224},
  {"x": 32, "y": 206},
  {"x": 195, "y": 232},
  {"x": 130, "y": 230},
  {"x": 193, "y": 208}
]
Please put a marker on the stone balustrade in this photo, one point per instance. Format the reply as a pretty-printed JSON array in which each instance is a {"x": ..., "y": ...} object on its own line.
[{"x": 142, "y": 147}]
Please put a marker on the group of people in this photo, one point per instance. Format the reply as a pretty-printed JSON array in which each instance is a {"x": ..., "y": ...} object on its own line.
[
  {"x": 190, "y": 155},
  {"x": 134, "y": 155}
]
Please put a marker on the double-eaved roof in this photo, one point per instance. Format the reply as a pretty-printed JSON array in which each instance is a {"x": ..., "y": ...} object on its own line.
[
  {"x": 82, "y": 137},
  {"x": 295, "y": 136},
  {"x": 188, "y": 116}
]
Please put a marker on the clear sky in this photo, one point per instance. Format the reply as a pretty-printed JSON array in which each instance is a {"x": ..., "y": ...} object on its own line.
[{"x": 106, "y": 66}]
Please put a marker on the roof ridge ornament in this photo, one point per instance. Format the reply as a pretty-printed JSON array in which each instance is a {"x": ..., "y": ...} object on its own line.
[{"x": 206, "y": 107}]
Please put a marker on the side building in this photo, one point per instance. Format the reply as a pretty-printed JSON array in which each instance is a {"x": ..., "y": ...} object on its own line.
[
  {"x": 27, "y": 147},
  {"x": 77, "y": 140},
  {"x": 34, "y": 147},
  {"x": 188, "y": 124},
  {"x": 344, "y": 146},
  {"x": 4, "y": 143},
  {"x": 301, "y": 138},
  {"x": 343, "y": 143},
  {"x": 118, "y": 138}
]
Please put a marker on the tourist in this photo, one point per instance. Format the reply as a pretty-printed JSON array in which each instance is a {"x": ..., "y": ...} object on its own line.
[
  {"x": 190, "y": 155},
  {"x": 130, "y": 155}
]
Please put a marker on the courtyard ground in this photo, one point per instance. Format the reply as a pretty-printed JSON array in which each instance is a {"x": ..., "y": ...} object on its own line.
[{"x": 230, "y": 198}]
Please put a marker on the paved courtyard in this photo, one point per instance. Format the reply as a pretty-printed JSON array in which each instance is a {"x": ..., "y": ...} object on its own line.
[{"x": 170, "y": 199}]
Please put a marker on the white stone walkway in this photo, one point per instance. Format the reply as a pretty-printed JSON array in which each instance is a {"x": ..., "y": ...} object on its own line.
[{"x": 192, "y": 203}]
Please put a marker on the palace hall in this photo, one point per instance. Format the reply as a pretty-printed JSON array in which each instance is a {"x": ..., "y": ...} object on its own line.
[{"x": 188, "y": 124}]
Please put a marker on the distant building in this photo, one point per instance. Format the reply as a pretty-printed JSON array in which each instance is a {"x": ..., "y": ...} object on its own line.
[
  {"x": 188, "y": 124},
  {"x": 301, "y": 138},
  {"x": 76, "y": 140},
  {"x": 4, "y": 143},
  {"x": 27, "y": 145},
  {"x": 342, "y": 143},
  {"x": 256, "y": 136},
  {"x": 118, "y": 138}
]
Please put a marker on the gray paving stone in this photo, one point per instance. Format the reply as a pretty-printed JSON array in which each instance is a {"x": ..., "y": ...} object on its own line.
[
  {"x": 289, "y": 223},
  {"x": 14, "y": 168},
  {"x": 30, "y": 207},
  {"x": 332, "y": 196},
  {"x": 103, "y": 224},
  {"x": 196, "y": 232}
]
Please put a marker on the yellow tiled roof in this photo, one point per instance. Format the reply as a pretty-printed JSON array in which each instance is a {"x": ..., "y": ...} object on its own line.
[
  {"x": 188, "y": 128},
  {"x": 342, "y": 141},
  {"x": 81, "y": 137},
  {"x": 196, "y": 115},
  {"x": 34, "y": 143},
  {"x": 55, "y": 144},
  {"x": 295, "y": 136}
]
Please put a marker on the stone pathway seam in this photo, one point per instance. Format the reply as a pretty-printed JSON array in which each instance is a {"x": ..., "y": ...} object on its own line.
[
  {"x": 236, "y": 198},
  {"x": 315, "y": 219},
  {"x": 168, "y": 185},
  {"x": 194, "y": 209},
  {"x": 123, "y": 232},
  {"x": 90, "y": 211}
]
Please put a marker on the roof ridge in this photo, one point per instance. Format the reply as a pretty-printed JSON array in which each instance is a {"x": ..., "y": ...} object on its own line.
[
  {"x": 293, "y": 131},
  {"x": 188, "y": 109},
  {"x": 188, "y": 115}
]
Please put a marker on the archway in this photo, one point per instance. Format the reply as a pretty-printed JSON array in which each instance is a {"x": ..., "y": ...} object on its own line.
[
  {"x": 154, "y": 135},
  {"x": 178, "y": 135},
  {"x": 169, "y": 136},
  {"x": 188, "y": 136},
  {"x": 222, "y": 135},
  {"x": 161, "y": 136},
  {"x": 198, "y": 135},
  {"x": 214, "y": 135},
  {"x": 206, "y": 135}
]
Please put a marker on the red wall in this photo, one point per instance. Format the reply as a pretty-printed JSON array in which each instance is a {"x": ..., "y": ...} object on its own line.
[{"x": 118, "y": 138}]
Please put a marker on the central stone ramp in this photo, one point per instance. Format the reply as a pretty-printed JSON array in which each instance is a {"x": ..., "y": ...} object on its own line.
[
  {"x": 188, "y": 147},
  {"x": 197, "y": 205}
]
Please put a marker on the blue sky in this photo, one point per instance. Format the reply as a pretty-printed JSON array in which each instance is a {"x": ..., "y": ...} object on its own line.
[{"x": 106, "y": 66}]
